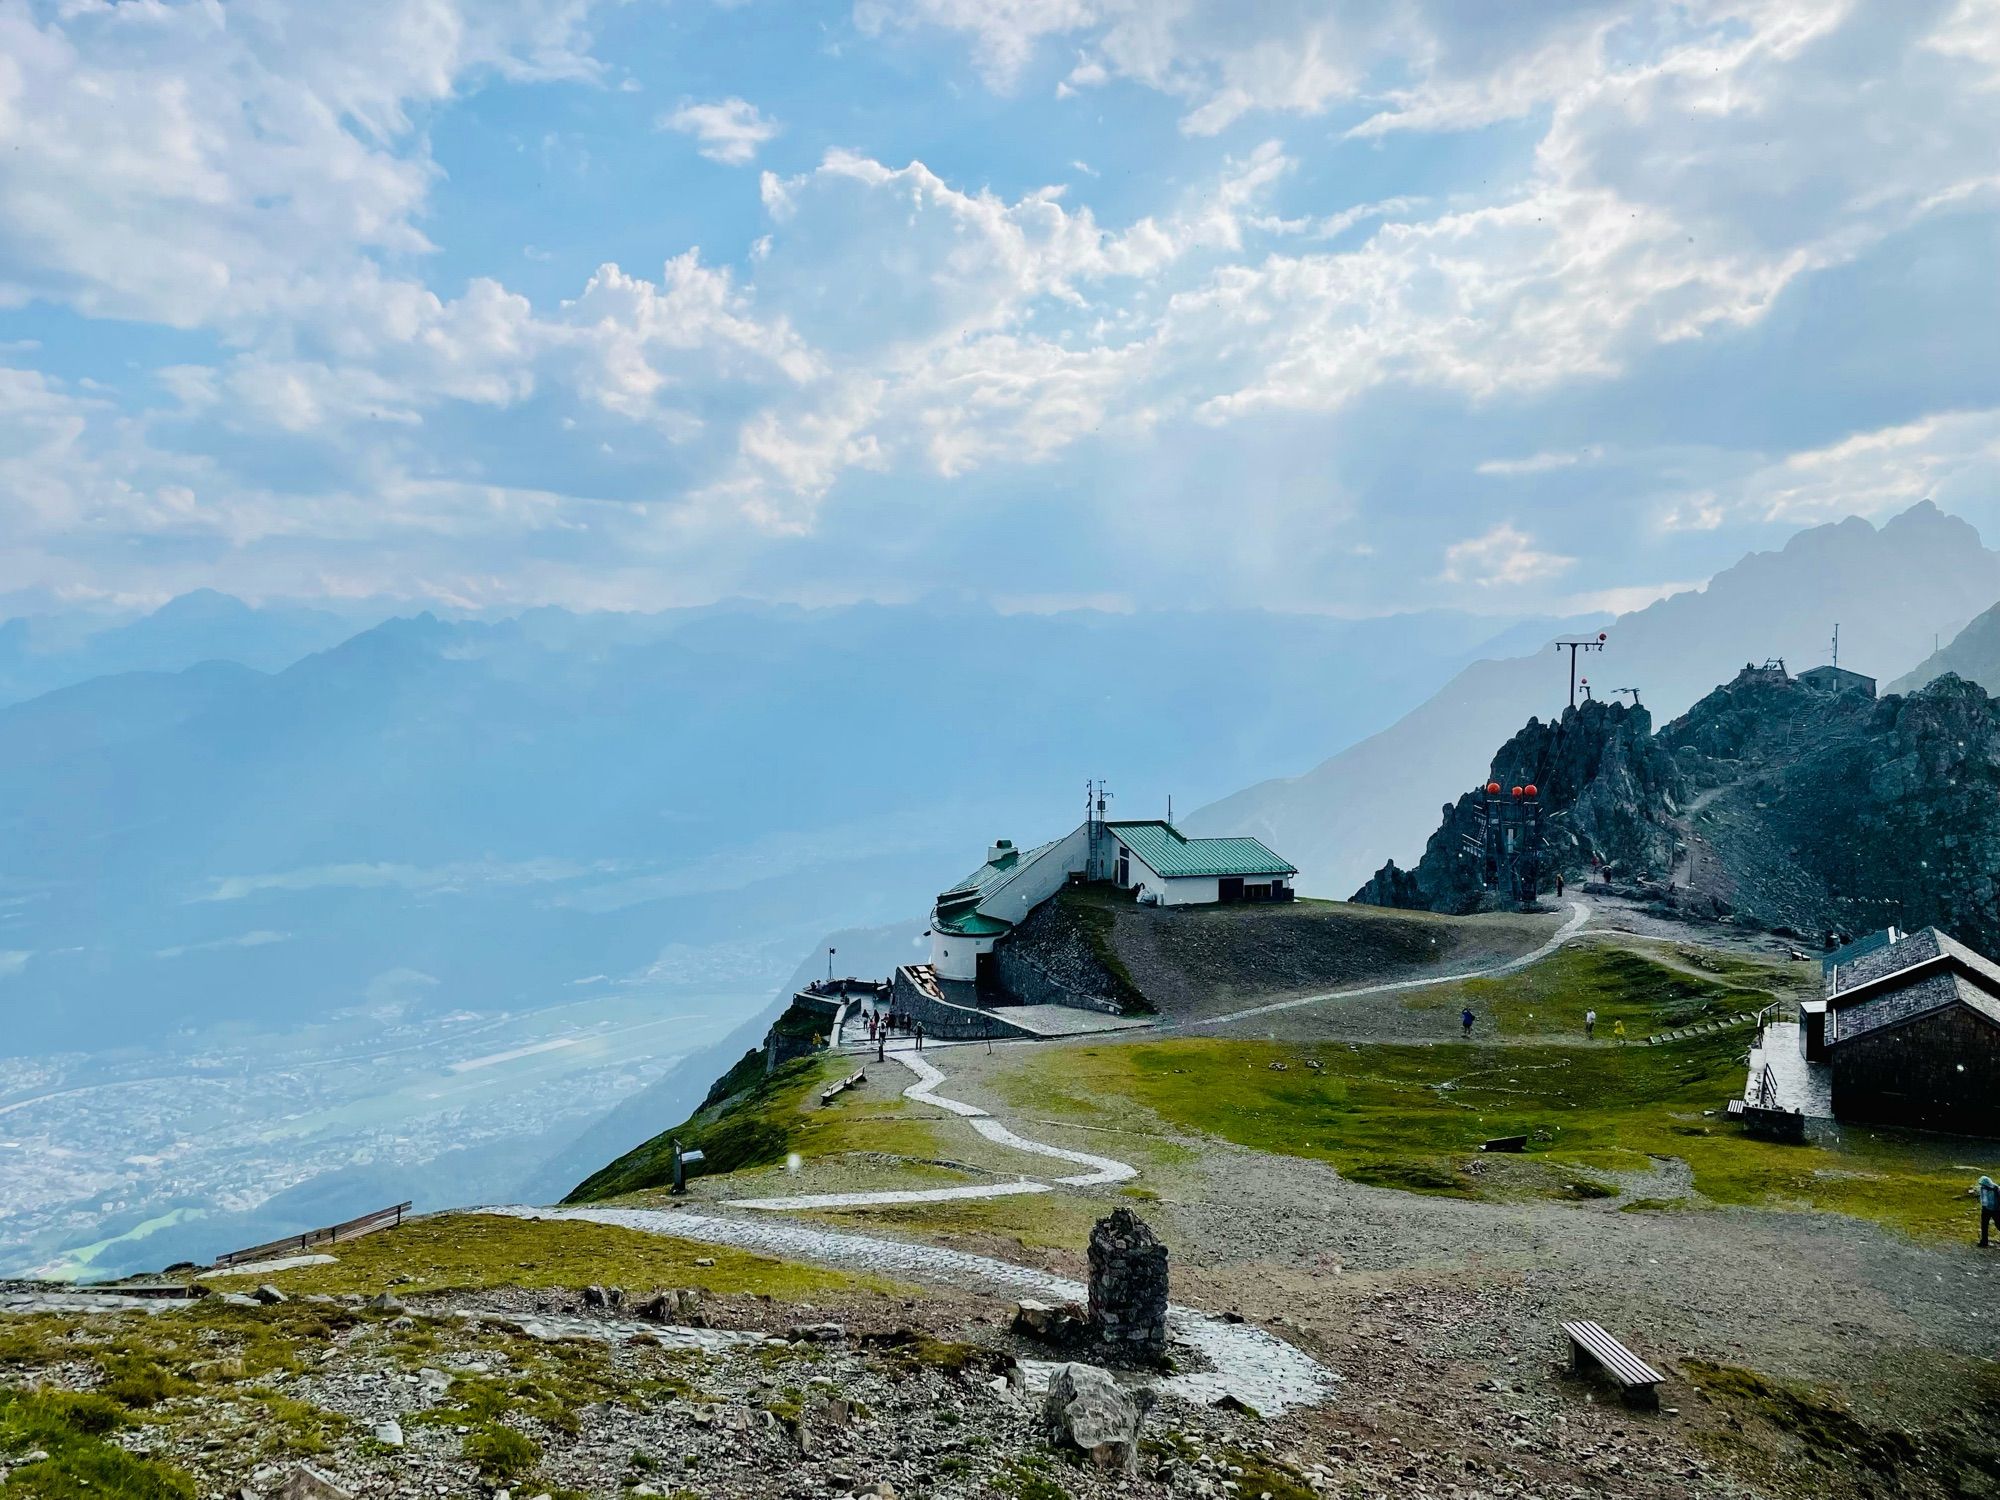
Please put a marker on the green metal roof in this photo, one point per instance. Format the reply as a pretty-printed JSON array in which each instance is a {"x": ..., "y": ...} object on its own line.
[
  {"x": 984, "y": 880},
  {"x": 968, "y": 923},
  {"x": 1172, "y": 855}
]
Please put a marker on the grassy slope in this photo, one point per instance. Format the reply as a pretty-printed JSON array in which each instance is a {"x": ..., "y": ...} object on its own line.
[
  {"x": 456, "y": 1252},
  {"x": 769, "y": 1121},
  {"x": 1413, "y": 1115},
  {"x": 218, "y": 1371},
  {"x": 1650, "y": 987}
]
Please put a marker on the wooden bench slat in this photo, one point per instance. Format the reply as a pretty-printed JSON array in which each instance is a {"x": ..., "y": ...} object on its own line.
[{"x": 1618, "y": 1361}]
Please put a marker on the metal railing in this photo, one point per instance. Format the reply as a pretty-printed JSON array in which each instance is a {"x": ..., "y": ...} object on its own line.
[{"x": 382, "y": 1218}]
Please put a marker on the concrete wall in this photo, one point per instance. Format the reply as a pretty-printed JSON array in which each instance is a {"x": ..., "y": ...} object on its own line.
[
  {"x": 1938, "y": 1073},
  {"x": 1034, "y": 982},
  {"x": 944, "y": 1020}
]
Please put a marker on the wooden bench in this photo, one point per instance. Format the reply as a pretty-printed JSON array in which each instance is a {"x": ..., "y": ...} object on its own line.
[
  {"x": 853, "y": 1081},
  {"x": 1591, "y": 1345}
]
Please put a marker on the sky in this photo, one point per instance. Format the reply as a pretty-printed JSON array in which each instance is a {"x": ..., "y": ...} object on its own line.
[{"x": 1347, "y": 307}]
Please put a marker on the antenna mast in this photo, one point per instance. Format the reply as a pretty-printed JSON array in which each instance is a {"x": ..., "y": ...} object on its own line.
[
  {"x": 1836, "y": 645},
  {"x": 1574, "y": 644}
]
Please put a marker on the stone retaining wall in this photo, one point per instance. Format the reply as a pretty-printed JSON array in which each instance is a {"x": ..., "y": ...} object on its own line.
[{"x": 945, "y": 1021}]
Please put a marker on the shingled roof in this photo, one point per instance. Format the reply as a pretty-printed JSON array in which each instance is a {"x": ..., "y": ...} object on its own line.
[{"x": 1926, "y": 950}]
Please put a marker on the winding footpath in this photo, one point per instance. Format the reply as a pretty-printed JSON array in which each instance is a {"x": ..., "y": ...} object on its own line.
[
  {"x": 1103, "y": 1169},
  {"x": 1579, "y": 915}
]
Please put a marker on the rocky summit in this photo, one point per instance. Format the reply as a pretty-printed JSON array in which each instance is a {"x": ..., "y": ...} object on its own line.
[{"x": 1771, "y": 802}]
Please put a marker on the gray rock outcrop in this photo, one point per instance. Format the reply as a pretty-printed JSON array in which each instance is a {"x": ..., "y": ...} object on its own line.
[{"x": 1087, "y": 1411}]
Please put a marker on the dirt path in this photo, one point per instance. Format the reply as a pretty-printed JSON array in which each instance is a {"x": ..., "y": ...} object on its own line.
[
  {"x": 1103, "y": 1169},
  {"x": 1579, "y": 916}
]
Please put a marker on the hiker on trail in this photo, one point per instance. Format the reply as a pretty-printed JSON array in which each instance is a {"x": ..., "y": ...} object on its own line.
[
  {"x": 1465, "y": 1022},
  {"x": 1559, "y": 885},
  {"x": 1989, "y": 1207},
  {"x": 1618, "y": 1030},
  {"x": 918, "y": 1031},
  {"x": 1590, "y": 1022}
]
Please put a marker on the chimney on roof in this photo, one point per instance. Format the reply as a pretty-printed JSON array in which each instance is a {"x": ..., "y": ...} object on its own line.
[{"x": 1000, "y": 850}]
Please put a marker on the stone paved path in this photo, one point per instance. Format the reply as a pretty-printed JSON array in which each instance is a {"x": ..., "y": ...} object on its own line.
[
  {"x": 1246, "y": 1362},
  {"x": 1579, "y": 915},
  {"x": 1103, "y": 1169}
]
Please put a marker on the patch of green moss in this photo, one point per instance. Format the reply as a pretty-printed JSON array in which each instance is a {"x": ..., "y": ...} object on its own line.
[
  {"x": 500, "y": 1453},
  {"x": 913, "y": 1348},
  {"x": 81, "y": 1465},
  {"x": 1585, "y": 1190},
  {"x": 1826, "y": 1432},
  {"x": 1029, "y": 1478},
  {"x": 1438, "y": 1178}
]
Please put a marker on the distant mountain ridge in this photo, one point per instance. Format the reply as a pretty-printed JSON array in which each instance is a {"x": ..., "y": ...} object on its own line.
[
  {"x": 1973, "y": 654},
  {"x": 43, "y": 654},
  {"x": 1889, "y": 588},
  {"x": 502, "y": 806}
]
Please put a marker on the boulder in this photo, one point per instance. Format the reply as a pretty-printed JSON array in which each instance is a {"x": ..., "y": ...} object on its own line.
[
  {"x": 389, "y": 1434},
  {"x": 1049, "y": 1323},
  {"x": 385, "y": 1302},
  {"x": 269, "y": 1294},
  {"x": 681, "y": 1305},
  {"x": 305, "y": 1483},
  {"x": 1086, "y": 1410}
]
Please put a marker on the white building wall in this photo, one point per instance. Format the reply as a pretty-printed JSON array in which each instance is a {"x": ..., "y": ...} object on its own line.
[
  {"x": 1186, "y": 890},
  {"x": 1191, "y": 890},
  {"x": 957, "y": 957},
  {"x": 1035, "y": 881}
]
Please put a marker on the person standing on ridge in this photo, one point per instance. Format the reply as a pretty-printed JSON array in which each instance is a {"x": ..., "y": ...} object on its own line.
[{"x": 1465, "y": 1022}]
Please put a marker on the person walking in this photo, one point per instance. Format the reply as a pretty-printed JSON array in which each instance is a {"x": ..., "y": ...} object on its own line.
[
  {"x": 1465, "y": 1022},
  {"x": 1559, "y": 885},
  {"x": 1590, "y": 1022},
  {"x": 1618, "y": 1030},
  {"x": 1989, "y": 1208},
  {"x": 917, "y": 1030}
]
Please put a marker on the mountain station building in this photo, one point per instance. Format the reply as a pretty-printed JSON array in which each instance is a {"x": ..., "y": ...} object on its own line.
[
  {"x": 1905, "y": 1031},
  {"x": 1155, "y": 861}
]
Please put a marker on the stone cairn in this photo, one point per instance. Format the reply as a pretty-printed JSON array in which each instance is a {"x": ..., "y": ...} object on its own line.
[{"x": 1128, "y": 1288}]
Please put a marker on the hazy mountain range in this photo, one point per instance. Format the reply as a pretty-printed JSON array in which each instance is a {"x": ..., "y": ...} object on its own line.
[
  {"x": 1891, "y": 590},
  {"x": 468, "y": 814},
  {"x": 464, "y": 907}
]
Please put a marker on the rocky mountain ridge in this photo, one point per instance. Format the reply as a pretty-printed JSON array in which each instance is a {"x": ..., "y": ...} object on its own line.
[{"x": 1769, "y": 802}]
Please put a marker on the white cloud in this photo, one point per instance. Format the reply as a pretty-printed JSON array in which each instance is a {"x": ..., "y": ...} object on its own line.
[
  {"x": 1504, "y": 556},
  {"x": 1538, "y": 463},
  {"x": 730, "y": 131},
  {"x": 1948, "y": 456}
]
